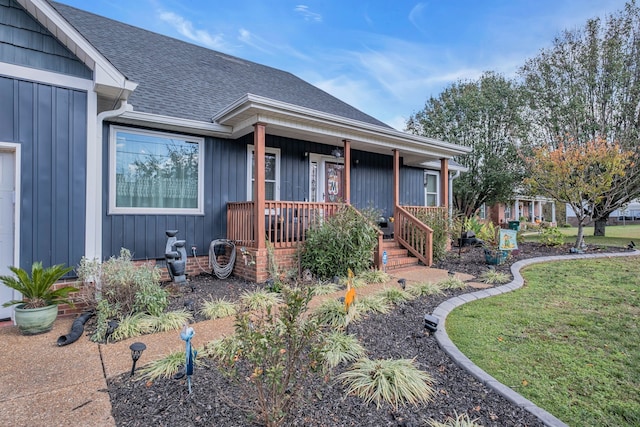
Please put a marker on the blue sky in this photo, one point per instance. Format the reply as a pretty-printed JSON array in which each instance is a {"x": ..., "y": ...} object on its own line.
[{"x": 384, "y": 57}]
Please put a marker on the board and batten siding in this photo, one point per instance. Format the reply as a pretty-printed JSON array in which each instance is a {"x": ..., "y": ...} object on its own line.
[
  {"x": 50, "y": 124},
  {"x": 226, "y": 177},
  {"x": 23, "y": 41}
]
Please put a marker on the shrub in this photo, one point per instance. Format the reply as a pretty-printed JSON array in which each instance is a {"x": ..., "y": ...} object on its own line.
[
  {"x": 169, "y": 321},
  {"x": 395, "y": 296},
  {"x": 461, "y": 420},
  {"x": 341, "y": 242},
  {"x": 424, "y": 289},
  {"x": 375, "y": 304},
  {"x": 260, "y": 299},
  {"x": 324, "y": 288},
  {"x": 393, "y": 381},
  {"x": 117, "y": 288},
  {"x": 452, "y": 283},
  {"x": 374, "y": 276},
  {"x": 492, "y": 276},
  {"x": 165, "y": 367},
  {"x": 272, "y": 349},
  {"x": 551, "y": 236},
  {"x": 340, "y": 348},
  {"x": 218, "y": 308},
  {"x": 331, "y": 313}
]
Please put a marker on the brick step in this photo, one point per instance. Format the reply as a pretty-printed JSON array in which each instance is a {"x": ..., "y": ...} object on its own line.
[
  {"x": 397, "y": 256},
  {"x": 395, "y": 263}
]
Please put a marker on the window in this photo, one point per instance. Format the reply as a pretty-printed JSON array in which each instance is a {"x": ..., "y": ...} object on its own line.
[
  {"x": 507, "y": 211},
  {"x": 155, "y": 172},
  {"x": 431, "y": 180},
  {"x": 271, "y": 173},
  {"x": 482, "y": 211}
]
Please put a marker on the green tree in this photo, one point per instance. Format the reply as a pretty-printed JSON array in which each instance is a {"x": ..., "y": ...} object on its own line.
[
  {"x": 485, "y": 115},
  {"x": 587, "y": 87},
  {"x": 580, "y": 175}
]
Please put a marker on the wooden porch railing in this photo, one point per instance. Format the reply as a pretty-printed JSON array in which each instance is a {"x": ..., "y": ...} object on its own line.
[
  {"x": 286, "y": 223},
  {"x": 413, "y": 234}
]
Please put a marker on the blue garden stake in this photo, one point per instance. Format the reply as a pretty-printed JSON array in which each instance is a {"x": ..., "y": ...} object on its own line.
[{"x": 190, "y": 354}]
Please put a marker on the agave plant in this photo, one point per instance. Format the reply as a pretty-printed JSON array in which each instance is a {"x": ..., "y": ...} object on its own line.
[{"x": 37, "y": 288}]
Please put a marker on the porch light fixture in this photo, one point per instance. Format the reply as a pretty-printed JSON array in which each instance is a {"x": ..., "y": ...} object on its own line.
[
  {"x": 337, "y": 153},
  {"x": 136, "y": 351},
  {"x": 430, "y": 323}
]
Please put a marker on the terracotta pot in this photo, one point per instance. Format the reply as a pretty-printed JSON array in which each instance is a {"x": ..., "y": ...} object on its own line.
[{"x": 32, "y": 321}]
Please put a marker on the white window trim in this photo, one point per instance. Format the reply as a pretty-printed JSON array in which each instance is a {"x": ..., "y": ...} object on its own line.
[
  {"x": 267, "y": 150},
  {"x": 437, "y": 175},
  {"x": 113, "y": 209}
]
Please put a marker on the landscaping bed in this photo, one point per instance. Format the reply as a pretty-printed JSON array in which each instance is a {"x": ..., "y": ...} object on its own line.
[{"x": 398, "y": 335}]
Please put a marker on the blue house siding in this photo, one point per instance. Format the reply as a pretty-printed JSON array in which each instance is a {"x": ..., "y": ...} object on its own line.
[
  {"x": 23, "y": 41},
  {"x": 226, "y": 181},
  {"x": 50, "y": 123},
  {"x": 144, "y": 235}
]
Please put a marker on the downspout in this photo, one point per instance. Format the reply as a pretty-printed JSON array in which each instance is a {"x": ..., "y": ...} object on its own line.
[{"x": 93, "y": 246}]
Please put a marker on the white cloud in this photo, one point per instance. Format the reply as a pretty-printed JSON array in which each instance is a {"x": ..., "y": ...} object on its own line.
[
  {"x": 186, "y": 29},
  {"x": 307, "y": 14},
  {"x": 415, "y": 15}
]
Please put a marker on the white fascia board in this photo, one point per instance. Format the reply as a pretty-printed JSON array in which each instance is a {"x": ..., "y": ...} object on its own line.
[
  {"x": 105, "y": 74},
  {"x": 362, "y": 131},
  {"x": 48, "y": 77},
  {"x": 436, "y": 165},
  {"x": 175, "y": 124}
]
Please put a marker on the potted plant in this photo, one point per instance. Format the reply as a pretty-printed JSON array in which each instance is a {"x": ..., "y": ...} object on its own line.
[
  {"x": 38, "y": 308},
  {"x": 489, "y": 234}
]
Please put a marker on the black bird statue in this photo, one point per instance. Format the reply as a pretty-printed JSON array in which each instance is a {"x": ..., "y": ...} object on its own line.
[
  {"x": 631, "y": 246},
  {"x": 403, "y": 283}
]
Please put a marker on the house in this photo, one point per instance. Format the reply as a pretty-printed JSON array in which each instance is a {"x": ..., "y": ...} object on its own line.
[
  {"x": 629, "y": 213},
  {"x": 110, "y": 135},
  {"x": 525, "y": 209}
]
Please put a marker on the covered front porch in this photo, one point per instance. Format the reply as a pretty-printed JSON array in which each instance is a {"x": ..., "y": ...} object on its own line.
[{"x": 284, "y": 224}]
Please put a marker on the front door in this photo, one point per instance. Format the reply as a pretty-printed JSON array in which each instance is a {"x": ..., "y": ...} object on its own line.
[
  {"x": 7, "y": 209},
  {"x": 327, "y": 179}
]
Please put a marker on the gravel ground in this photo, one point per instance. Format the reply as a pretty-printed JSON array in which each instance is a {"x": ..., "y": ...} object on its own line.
[{"x": 399, "y": 334}]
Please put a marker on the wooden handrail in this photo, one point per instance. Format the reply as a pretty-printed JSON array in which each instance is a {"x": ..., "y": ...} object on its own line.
[
  {"x": 414, "y": 235},
  {"x": 286, "y": 223}
]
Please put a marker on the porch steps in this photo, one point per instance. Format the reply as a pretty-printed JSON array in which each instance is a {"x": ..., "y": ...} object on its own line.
[{"x": 397, "y": 256}]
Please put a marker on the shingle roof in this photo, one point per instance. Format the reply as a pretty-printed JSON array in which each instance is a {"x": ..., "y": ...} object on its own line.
[{"x": 183, "y": 80}]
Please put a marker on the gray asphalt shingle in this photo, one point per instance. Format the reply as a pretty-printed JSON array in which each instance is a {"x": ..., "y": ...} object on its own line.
[{"x": 183, "y": 80}]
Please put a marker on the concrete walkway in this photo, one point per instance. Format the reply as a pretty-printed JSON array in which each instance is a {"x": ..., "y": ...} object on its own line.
[{"x": 443, "y": 310}]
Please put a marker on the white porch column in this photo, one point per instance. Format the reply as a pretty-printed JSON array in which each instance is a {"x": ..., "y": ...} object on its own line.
[
  {"x": 540, "y": 210},
  {"x": 532, "y": 211},
  {"x": 553, "y": 212},
  {"x": 516, "y": 210}
]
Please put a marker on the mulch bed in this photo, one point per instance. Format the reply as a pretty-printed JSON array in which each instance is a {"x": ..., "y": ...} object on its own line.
[{"x": 399, "y": 334}]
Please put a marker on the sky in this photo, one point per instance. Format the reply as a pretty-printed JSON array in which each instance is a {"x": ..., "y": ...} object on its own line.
[{"x": 384, "y": 57}]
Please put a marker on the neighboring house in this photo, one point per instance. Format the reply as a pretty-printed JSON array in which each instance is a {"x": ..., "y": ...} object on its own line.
[
  {"x": 525, "y": 209},
  {"x": 629, "y": 213},
  {"x": 111, "y": 134}
]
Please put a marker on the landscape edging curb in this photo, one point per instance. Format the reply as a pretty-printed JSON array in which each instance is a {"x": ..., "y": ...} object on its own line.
[{"x": 445, "y": 343}]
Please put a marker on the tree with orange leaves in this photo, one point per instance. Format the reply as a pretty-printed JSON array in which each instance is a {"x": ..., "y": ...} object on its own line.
[{"x": 581, "y": 175}]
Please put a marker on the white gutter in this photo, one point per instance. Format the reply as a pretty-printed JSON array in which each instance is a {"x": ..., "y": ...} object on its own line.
[
  {"x": 451, "y": 178},
  {"x": 93, "y": 237}
]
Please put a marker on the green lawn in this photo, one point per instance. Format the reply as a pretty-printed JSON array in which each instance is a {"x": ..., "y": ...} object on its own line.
[
  {"x": 616, "y": 235},
  {"x": 569, "y": 340}
]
